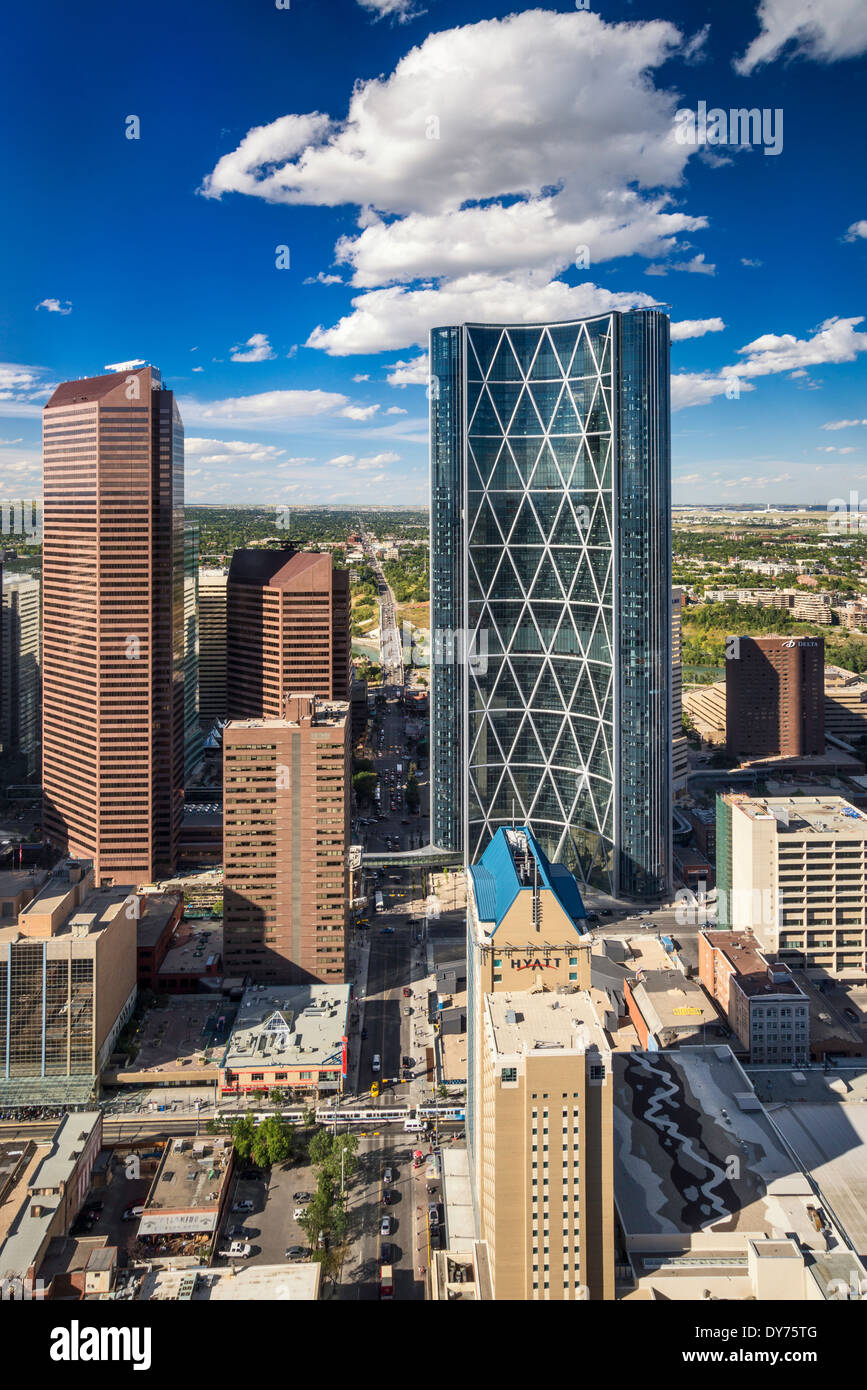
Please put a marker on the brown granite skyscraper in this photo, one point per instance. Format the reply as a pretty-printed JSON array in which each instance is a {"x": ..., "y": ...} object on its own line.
[
  {"x": 775, "y": 697},
  {"x": 113, "y": 633},
  {"x": 287, "y": 630}
]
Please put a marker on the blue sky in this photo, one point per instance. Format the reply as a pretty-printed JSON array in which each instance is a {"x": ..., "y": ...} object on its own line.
[{"x": 430, "y": 164}]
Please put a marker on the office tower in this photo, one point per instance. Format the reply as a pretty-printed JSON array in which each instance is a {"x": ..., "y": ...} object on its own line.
[
  {"x": 113, "y": 622},
  {"x": 551, "y": 592},
  {"x": 20, "y": 678},
  {"x": 766, "y": 1009},
  {"x": 793, "y": 870},
  {"x": 67, "y": 985},
  {"x": 285, "y": 838},
  {"x": 287, "y": 630},
  {"x": 212, "y": 645},
  {"x": 775, "y": 696},
  {"x": 679, "y": 756},
  {"x": 192, "y": 731},
  {"x": 539, "y": 1096}
]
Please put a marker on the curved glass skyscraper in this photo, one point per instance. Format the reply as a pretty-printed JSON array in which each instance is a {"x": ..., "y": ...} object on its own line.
[{"x": 551, "y": 592}]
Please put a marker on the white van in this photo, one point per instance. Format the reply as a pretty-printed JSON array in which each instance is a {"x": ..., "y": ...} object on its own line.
[
  {"x": 376, "y": 1063},
  {"x": 413, "y": 1126}
]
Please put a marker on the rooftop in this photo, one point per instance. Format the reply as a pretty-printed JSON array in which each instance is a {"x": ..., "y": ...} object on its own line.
[
  {"x": 744, "y": 954},
  {"x": 667, "y": 999},
  {"x": 155, "y": 911},
  {"x": 698, "y": 1163},
  {"x": 536, "y": 1022},
  {"x": 194, "y": 949},
  {"x": 515, "y": 863},
  {"x": 296, "y": 1025},
  {"x": 808, "y": 817},
  {"x": 297, "y": 1283},
  {"x": 55, "y": 1165}
]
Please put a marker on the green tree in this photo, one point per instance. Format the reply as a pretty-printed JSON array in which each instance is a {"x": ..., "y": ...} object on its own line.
[
  {"x": 272, "y": 1141},
  {"x": 319, "y": 1148},
  {"x": 243, "y": 1133},
  {"x": 364, "y": 785},
  {"x": 413, "y": 795}
]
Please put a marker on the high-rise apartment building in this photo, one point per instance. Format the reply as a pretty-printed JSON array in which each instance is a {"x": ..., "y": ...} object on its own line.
[
  {"x": 285, "y": 840},
  {"x": 539, "y": 1095},
  {"x": 20, "y": 678},
  {"x": 113, "y": 622},
  {"x": 212, "y": 645},
  {"x": 287, "y": 630},
  {"x": 551, "y": 592},
  {"x": 775, "y": 696},
  {"x": 679, "y": 755},
  {"x": 794, "y": 871},
  {"x": 192, "y": 731}
]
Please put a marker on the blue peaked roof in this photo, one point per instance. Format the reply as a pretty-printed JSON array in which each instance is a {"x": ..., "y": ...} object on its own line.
[{"x": 496, "y": 881}]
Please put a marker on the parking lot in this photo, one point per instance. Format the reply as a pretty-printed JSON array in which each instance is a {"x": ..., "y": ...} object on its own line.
[{"x": 269, "y": 1227}]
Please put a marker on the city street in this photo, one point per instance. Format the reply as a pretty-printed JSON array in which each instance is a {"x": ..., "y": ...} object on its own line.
[{"x": 388, "y": 749}]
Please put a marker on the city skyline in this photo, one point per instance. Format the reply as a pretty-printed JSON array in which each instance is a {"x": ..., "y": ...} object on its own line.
[{"x": 307, "y": 383}]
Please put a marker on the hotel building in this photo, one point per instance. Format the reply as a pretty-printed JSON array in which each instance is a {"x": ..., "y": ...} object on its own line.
[
  {"x": 551, "y": 592},
  {"x": 775, "y": 697},
  {"x": 539, "y": 1101}
]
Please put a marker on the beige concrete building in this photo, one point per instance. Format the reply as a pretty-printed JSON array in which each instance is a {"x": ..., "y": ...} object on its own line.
[
  {"x": 706, "y": 707},
  {"x": 794, "y": 871},
  {"x": 212, "y": 644},
  {"x": 67, "y": 985},
  {"x": 679, "y": 759},
  {"x": 539, "y": 1106},
  {"x": 845, "y": 704},
  {"x": 285, "y": 842}
]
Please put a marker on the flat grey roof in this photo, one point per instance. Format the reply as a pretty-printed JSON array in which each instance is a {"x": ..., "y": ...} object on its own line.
[{"x": 679, "y": 1119}]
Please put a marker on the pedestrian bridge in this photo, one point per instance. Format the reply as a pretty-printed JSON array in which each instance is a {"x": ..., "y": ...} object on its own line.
[{"x": 428, "y": 857}]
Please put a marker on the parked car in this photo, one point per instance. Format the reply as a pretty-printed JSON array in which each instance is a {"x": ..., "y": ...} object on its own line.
[
  {"x": 387, "y": 931},
  {"x": 376, "y": 1062},
  {"x": 298, "y": 1212},
  {"x": 301, "y": 1197},
  {"x": 236, "y": 1232},
  {"x": 133, "y": 1213},
  {"x": 388, "y": 1176},
  {"x": 385, "y": 1226},
  {"x": 407, "y": 992},
  {"x": 243, "y": 1206},
  {"x": 407, "y": 1013},
  {"x": 386, "y": 1197},
  {"x": 239, "y": 1250},
  {"x": 433, "y": 1214},
  {"x": 295, "y": 1252}
]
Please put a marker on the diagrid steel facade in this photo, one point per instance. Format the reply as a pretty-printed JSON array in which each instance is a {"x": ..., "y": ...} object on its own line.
[{"x": 550, "y": 592}]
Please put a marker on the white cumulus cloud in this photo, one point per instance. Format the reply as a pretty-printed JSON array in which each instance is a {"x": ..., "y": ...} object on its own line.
[
  {"x": 256, "y": 349},
  {"x": 54, "y": 306},
  {"x": 826, "y": 30},
  {"x": 695, "y": 328}
]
